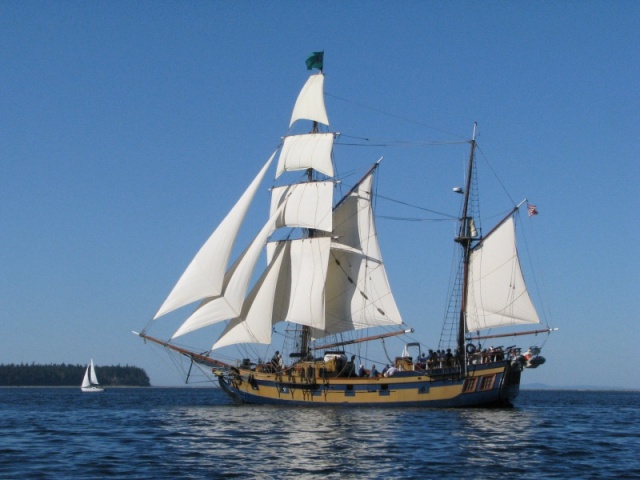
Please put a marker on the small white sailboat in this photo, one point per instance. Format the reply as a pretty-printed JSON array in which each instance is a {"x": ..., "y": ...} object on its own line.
[{"x": 90, "y": 381}]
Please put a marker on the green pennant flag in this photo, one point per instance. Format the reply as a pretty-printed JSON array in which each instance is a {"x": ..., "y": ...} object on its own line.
[{"x": 315, "y": 61}]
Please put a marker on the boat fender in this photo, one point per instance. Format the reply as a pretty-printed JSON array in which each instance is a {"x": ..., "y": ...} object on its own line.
[{"x": 471, "y": 348}]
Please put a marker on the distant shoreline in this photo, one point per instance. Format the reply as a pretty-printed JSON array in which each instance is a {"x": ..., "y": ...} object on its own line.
[
  {"x": 66, "y": 375},
  {"x": 579, "y": 388},
  {"x": 215, "y": 387}
]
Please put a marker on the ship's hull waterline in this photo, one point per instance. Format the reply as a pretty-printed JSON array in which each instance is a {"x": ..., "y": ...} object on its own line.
[{"x": 491, "y": 385}]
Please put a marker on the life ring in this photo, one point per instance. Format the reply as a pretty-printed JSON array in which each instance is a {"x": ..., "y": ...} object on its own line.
[{"x": 471, "y": 348}]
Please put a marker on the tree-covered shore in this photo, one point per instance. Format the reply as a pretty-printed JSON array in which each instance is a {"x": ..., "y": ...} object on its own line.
[{"x": 63, "y": 375}]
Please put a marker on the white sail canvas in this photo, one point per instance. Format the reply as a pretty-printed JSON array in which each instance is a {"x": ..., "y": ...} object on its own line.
[
  {"x": 205, "y": 274},
  {"x": 498, "y": 295},
  {"x": 311, "y": 150},
  {"x": 229, "y": 304},
  {"x": 310, "y": 102},
  {"x": 308, "y": 205},
  {"x": 358, "y": 291}
]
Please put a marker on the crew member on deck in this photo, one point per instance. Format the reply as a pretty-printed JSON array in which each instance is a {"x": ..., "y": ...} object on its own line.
[
  {"x": 391, "y": 371},
  {"x": 276, "y": 361}
]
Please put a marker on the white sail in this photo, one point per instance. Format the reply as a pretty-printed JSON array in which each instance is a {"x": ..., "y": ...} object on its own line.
[
  {"x": 312, "y": 150},
  {"x": 291, "y": 290},
  {"x": 254, "y": 324},
  {"x": 205, "y": 274},
  {"x": 236, "y": 284},
  {"x": 497, "y": 293},
  {"x": 310, "y": 102},
  {"x": 358, "y": 294},
  {"x": 85, "y": 381},
  {"x": 309, "y": 205},
  {"x": 309, "y": 259},
  {"x": 93, "y": 376}
]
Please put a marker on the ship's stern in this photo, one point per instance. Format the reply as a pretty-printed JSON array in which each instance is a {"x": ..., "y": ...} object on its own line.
[{"x": 510, "y": 387}]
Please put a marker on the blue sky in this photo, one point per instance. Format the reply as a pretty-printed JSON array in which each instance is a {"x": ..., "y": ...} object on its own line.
[{"x": 128, "y": 129}]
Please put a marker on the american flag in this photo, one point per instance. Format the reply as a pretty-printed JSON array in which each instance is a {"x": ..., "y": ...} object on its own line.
[{"x": 532, "y": 209}]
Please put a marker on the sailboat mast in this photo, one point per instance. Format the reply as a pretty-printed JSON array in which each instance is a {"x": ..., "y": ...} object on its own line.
[
  {"x": 464, "y": 239},
  {"x": 305, "y": 334}
]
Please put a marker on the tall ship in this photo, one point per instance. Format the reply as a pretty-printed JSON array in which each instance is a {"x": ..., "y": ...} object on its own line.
[{"x": 296, "y": 324}]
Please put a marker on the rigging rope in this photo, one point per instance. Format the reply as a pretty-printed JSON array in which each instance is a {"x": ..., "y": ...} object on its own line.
[
  {"x": 389, "y": 114},
  {"x": 384, "y": 347}
]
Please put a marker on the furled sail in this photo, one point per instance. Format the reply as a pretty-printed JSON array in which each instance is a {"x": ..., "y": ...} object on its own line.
[
  {"x": 205, "y": 274},
  {"x": 310, "y": 102},
  {"x": 311, "y": 150},
  {"x": 358, "y": 294},
  {"x": 309, "y": 205},
  {"x": 497, "y": 294}
]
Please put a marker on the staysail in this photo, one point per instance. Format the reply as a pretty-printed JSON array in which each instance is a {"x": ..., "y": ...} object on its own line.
[
  {"x": 205, "y": 274},
  {"x": 358, "y": 291},
  {"x": 498, "y": 295},
  {"x": 236, "y": 284}
]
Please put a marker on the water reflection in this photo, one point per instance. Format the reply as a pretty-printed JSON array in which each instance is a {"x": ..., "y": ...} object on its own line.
[
  {"x": 278, "y": 442},
  {"x": 288, "y": 441},
  {"x": 187, "y": 433},
  {"x": 505, "y": 434}
]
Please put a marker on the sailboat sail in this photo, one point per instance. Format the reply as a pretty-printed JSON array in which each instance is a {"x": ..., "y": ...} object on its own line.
[
  {"x": 309, "y": 259},
  {"x": 205, "y": 274},
  {"x": 311, "y": 150},
  {"x": 308, "y": 205},
  {"x": 292, "y": 290},
  {"x": 358, "y": 291},
  {"x": 310, "y": 102},
  {"x": 94, "y": 377},
  {"x": 498, "y": 295},
  {"x": 236, "y": 284},
  {"x": 255, "y": 323},
  {"x": 86, "y": 381}
]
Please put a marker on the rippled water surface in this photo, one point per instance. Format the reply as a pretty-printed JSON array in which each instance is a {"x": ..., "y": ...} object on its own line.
[{"x": 199, "y": 433}]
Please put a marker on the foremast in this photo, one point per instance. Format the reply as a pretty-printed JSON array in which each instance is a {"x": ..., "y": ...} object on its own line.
[
  {"x": 305, "y": 331},
  {"x": 315, "y": 61}
]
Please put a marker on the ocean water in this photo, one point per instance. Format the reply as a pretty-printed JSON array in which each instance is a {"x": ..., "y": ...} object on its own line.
[{"x": 187, "y": 433}]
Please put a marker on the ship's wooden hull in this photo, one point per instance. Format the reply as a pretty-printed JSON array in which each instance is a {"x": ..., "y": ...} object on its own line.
[{"x": 488, "y": 385}]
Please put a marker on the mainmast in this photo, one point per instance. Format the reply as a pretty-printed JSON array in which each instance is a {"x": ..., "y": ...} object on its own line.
[{"x": 464, "y": 238}]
